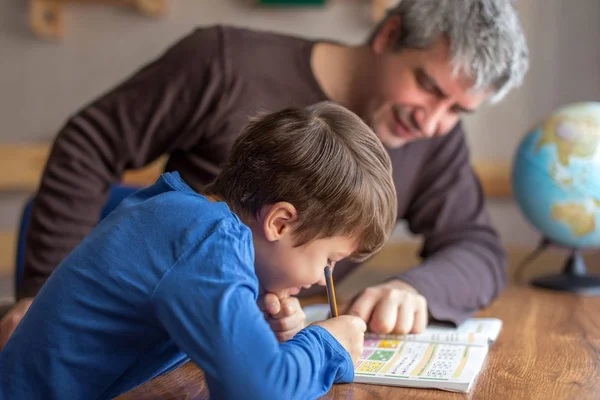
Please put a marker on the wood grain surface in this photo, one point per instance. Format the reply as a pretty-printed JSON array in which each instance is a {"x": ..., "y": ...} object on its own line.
[{"x": 549, "y": 348}]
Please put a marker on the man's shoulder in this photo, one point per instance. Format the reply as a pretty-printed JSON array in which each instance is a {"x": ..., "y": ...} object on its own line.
[
  {"x": 243, "y": 54},
  {"x": 239, "y": 36}
]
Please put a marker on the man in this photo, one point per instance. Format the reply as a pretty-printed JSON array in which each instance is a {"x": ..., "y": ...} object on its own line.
[{"x": 425, "y": 65}]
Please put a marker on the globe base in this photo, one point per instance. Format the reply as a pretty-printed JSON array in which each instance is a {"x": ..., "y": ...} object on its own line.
[
  {"x": 588, "y": 285},
  {"x": 574, "y": 278}
]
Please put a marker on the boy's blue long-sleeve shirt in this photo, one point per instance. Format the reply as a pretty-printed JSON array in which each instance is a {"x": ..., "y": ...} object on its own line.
[{"x": 165, "y": 278}]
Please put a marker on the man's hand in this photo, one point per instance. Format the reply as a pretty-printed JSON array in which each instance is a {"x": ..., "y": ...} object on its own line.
[
  {"x": 12, "y": 319},
  {"x": 391, "y": 307},
  {"x": 285, "y": 316}
]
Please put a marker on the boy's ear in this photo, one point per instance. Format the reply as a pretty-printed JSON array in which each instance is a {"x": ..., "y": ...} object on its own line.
[
  {"x": 388, "y": 34},
  {"x": 278, "y": 221}
]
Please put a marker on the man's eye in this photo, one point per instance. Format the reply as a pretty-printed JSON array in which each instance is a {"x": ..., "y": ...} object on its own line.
[{"x": 426, "y": 85}]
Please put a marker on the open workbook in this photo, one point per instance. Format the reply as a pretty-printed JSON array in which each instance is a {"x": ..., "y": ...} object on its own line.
[{"x": 441, "y": 357}]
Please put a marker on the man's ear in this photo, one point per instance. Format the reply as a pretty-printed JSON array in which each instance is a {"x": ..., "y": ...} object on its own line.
[
  {"x": 278, "y": 220},
  {"x": 388, "y": 35}
]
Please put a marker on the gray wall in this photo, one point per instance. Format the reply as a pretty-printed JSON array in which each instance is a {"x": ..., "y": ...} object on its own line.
[{"x": 42, "y": 82}]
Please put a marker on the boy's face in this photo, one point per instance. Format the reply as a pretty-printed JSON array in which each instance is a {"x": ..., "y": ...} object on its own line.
[{"x": 283, "y": 268}]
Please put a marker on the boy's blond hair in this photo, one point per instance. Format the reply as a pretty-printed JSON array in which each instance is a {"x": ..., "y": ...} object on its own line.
[{"x": 325, "y": 161}]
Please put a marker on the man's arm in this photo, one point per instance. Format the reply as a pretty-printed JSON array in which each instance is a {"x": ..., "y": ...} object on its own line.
[
  {"x": 464, "y": 263},
  {"x": 154, "y": 112}
]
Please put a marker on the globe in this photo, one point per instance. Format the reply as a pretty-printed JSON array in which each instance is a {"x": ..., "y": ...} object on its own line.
[
  {"x": 556, "y": 183},
  {"x": 556, "y": 176}
]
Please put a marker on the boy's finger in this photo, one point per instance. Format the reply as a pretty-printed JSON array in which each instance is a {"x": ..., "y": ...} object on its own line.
[
  {"x": 291, "y": 322},
  {"x": 285, "y": 336},
  {"x": 269, "y": 303},
  {"x": 290, "y": 305}
]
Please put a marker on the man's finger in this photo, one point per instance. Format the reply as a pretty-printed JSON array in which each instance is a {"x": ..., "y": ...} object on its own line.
[
  {"x": 406, "y": 317},
  {"x": 7, "y": 327},
  {"x": 421, "y": 315},
  {"x": 363, "y": 306},
  {"x": 4, "y": 335},
  {"x": 385, "y": 313}
]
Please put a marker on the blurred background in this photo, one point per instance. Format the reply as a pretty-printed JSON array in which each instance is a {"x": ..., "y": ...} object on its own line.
[{"x": 43, "y": 81}]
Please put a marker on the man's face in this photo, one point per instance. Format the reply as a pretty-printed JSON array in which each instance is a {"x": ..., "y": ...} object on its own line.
[{"x": 414, "y": 94}]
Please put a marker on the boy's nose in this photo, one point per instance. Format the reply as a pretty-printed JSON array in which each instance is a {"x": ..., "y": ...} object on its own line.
[{"x": 322, "y": 281}]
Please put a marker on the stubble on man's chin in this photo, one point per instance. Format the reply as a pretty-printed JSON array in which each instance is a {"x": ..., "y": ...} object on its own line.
[{"x": 390, "y": 141}]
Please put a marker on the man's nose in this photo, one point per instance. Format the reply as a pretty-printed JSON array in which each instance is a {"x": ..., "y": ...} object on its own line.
[{"x": 428, "y": 121}]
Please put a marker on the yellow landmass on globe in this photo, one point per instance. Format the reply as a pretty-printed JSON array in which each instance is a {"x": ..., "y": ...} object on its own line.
[
  {"x": 568, "y": 181},
  {"x": 576, "y": 216},
  {"x": 562, "y": 180},
  {"x": 573, "y": 137}
]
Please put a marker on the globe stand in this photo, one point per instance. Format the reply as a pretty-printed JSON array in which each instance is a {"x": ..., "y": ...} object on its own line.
[{"x": 574, "y": 278}]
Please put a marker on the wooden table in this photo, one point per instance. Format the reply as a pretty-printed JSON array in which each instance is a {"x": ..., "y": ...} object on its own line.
[{"x": 549, "y": 348}]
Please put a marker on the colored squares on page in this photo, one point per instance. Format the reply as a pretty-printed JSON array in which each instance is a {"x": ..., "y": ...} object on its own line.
[
  {"x": 388, "y": 344},
  {"x": 381, "y": 355},
  {"x": 371, "y": 342},
  {"x": 369, "y": 367}
]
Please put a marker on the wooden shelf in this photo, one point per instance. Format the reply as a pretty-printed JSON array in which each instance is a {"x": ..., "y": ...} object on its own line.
[
  {"x": 378, "y": 8},
  {"x": 21, "y": 167},
  {"x": 47, "y": 21}
]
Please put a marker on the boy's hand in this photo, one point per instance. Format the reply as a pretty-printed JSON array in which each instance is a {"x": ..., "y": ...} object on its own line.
[
  {"x": 349, "y": 331},
  {"x": 285, "y": 315},
  {"x": 391, "y": 307}
]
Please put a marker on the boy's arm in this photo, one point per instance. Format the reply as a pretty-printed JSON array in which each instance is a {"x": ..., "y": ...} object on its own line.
[
  {"x": 207, "y": 304},
  {"x": 146, "y": 116},
  {"x": 464, "y": 263}
]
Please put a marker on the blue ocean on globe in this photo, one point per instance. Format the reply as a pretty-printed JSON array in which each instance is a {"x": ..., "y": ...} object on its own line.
[{"x": 556, "y": 176}]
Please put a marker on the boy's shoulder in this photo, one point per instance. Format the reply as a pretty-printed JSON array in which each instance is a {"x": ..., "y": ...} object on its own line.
[
  {"x": 171, "y": 206},
  {"x": 170, "y": 194}
]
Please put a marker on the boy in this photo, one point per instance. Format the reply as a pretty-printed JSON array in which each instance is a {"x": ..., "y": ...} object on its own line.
[{"x": 173, "y": 275}]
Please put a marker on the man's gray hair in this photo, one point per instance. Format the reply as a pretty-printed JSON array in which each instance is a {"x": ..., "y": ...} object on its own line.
[{"x": 486, "y": 39}]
